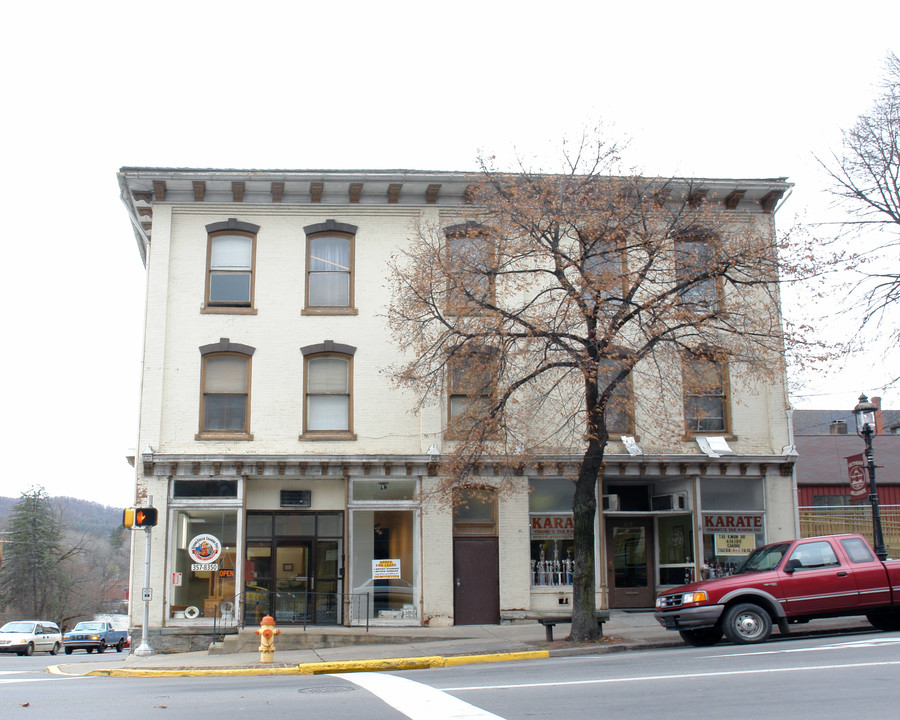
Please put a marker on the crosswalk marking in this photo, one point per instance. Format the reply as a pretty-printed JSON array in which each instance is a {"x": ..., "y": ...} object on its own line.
[{"x": 415, "y": 700}]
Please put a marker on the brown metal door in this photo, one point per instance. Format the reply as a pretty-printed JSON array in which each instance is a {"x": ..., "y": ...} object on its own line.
[
  {"x": 476, "y": 581},
  {"x": 629, "y": 545}
]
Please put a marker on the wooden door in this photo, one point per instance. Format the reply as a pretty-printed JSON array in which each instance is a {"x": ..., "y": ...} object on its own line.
[
  {"x": 630, "y": 568},
  {"x": 476, "y": 581}
]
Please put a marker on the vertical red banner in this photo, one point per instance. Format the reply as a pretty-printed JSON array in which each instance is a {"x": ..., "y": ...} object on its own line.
[{"x": 859, "y": 477}]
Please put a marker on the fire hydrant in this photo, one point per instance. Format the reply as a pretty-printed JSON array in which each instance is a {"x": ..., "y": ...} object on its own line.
[{"x": 267, "y": 633}]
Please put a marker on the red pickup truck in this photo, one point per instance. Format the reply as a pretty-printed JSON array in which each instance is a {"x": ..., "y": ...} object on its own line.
[{"x": 783, "y": 583}]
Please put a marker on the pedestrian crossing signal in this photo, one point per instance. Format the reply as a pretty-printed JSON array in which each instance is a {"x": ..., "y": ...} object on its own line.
[{"x": 139, "y": 517}]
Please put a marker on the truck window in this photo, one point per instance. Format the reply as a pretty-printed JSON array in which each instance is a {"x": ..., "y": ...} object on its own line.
[
  {"x": 814, "y": 555},
  {"x": 857, "y": 550},
  {"x": 763, "y": 558}
]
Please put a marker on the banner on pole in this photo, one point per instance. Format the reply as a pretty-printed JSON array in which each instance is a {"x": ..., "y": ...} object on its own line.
[{"x": 859, "y": 477}]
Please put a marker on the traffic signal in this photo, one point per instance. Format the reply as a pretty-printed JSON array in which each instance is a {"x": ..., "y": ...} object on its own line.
[{"x": 139, "y": 517}]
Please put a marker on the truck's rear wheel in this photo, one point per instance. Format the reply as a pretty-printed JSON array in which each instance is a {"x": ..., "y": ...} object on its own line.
[
  {"x": 702, "y": 637},
  {"x": 884, "y": 619},
  {"x": 120, "y": 645},
  {"x": 746, "y": 623},
  {"x": 69, "y": 650}
]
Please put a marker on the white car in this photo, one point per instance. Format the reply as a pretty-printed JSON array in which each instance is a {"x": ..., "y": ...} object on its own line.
[{"x": 23, "y": 637}]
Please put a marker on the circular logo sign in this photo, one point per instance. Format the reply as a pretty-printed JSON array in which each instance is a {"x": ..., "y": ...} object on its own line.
[
  {"x": 204, "y": 548},
  {"x": 857, "y": 479}
]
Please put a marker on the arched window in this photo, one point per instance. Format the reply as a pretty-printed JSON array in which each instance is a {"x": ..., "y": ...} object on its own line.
[
  {"x": 225, "y": 391},
  {"x": 329, "y": 267},
  {"x": 230, "y": 260},
  {"x": 470, "y": 389},
  {"x": 470, "y": 269},
  {"x": 705, "y": 379},
  {"x": 328, "y": 383},
  {"x": 695, "y": 273}
]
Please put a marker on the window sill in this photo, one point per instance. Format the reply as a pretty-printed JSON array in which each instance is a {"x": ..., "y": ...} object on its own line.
[
  {"x": 217, "y": 310},
  {"x": 216, "y": 435},
  {"x": 691, "y": 436},
  {"x": 329, "y": 311},
  {"x": 327, "y": 435}
]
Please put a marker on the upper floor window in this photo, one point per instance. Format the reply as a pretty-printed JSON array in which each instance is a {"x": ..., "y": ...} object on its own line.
[
  {"x": 230, "y": 260},
  {"x": 619, "y": 408},
  {"x": 604, "y": 276},
  {"x": 329, "y": 267},
  {"x": 471, "y": 389},
  {"x": 705, "y": 390},
  {"x": 328, "y": 374},
  {"x": 694, "y": 259},
  {"x": 470, "y": 274},
  {"x": 225, "y": 390}
]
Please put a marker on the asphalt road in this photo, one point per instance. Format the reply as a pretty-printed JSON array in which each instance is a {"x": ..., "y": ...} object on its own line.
[{"x": 821, "y": 677}]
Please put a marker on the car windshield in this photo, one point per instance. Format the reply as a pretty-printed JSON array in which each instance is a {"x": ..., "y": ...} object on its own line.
[
  {"x": 764, "y": 558},
  {"x": 89, "y": 626},
  {"x": 17, "y": 627}
]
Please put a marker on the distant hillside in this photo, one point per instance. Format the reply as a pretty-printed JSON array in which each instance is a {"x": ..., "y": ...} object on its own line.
[{"x": 80, "y": 516}]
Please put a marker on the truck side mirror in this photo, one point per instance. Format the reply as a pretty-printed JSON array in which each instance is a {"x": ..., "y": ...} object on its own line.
[{"x": 792, "y": 565}]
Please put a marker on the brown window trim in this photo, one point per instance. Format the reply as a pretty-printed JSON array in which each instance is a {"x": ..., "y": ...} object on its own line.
[
  {"x": 223, "y": 310},
  {"x": 222, "y": 435},
  {"x": 324, "y": 310},
  {"x": 323, "y": 435},
  {"x": 726, "y": 432},
  {"x": 331, "y": 228},
  {"x": 329, "y": 348},
  {"x": 232, "y": 226},
  {"x": 470, "y": 230},
  {"x": 222, "y": 348}
]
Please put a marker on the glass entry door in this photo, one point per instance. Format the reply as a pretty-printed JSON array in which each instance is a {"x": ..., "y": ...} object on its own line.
[
  {"x": 630, "y": 562},
  {"x": 293, "y": 582},
  {"x": 294, "y": 567}
]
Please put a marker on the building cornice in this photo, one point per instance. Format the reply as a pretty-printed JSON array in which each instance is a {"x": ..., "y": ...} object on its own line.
[
  {"x": 615, "y": 466},
  {"x": 142, "y": 188}
]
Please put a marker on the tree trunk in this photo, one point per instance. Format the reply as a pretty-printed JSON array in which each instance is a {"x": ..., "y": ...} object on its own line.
[{"x": 584, "y": 509}]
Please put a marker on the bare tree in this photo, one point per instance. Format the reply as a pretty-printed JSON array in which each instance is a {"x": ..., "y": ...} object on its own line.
[
  {"x": 866, "y": 181},
  {"x": 555, "y": 302}
]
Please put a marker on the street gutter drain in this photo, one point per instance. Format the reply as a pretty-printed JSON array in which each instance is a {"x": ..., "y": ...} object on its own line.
[{"x": 324, "y": 689}]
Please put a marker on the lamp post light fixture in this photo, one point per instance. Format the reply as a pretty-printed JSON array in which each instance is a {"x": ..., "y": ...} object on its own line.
[{"x": 864, "y": 412}]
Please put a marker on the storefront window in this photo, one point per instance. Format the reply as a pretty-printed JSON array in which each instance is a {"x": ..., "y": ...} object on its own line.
[
  {"x": 552, "y": 532},
  {"x": 384, "y": 582},
  {"x": 204, "y": 565},
  {"x": 728, "y": 538}
]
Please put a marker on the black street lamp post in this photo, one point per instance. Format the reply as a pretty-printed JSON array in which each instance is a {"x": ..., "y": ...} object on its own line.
[{"x": 864, "y": 412}]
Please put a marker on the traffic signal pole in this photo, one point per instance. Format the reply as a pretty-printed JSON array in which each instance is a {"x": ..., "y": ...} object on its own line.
[{"x": 146, "y": 594}]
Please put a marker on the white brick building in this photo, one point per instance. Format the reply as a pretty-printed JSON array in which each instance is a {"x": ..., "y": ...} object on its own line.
[{"x": 285, "y": 467}]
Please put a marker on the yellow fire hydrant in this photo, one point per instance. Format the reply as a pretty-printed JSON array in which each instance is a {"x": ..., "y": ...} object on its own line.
[{"x": 267, "y": 633}]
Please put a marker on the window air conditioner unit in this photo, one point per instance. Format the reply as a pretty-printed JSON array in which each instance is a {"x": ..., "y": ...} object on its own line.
[
  {"x": 610, "y": 502},
  {"x": 674, "y": 501},
  {"x": 296, "y": 498}
]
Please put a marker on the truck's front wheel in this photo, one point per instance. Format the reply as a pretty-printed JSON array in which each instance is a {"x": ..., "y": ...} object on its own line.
[
  {"x": 703, "y": 637},
  {"x": 884, "y": 619},
  {"x": 746, "y": 623}
]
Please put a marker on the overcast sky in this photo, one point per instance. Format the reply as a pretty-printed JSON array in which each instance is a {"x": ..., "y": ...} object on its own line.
[{"x": 701, "y": 89}]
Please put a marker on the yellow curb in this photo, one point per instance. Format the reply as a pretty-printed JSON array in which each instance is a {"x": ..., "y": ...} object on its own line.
[
  {"x": 502, "y": 657},
  {"x": 324, "y": 668},
  {"x": 416, "y": 663}
]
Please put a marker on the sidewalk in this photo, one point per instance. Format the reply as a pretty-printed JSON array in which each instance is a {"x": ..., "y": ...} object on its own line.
[{"x": 421, "y": 647}]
